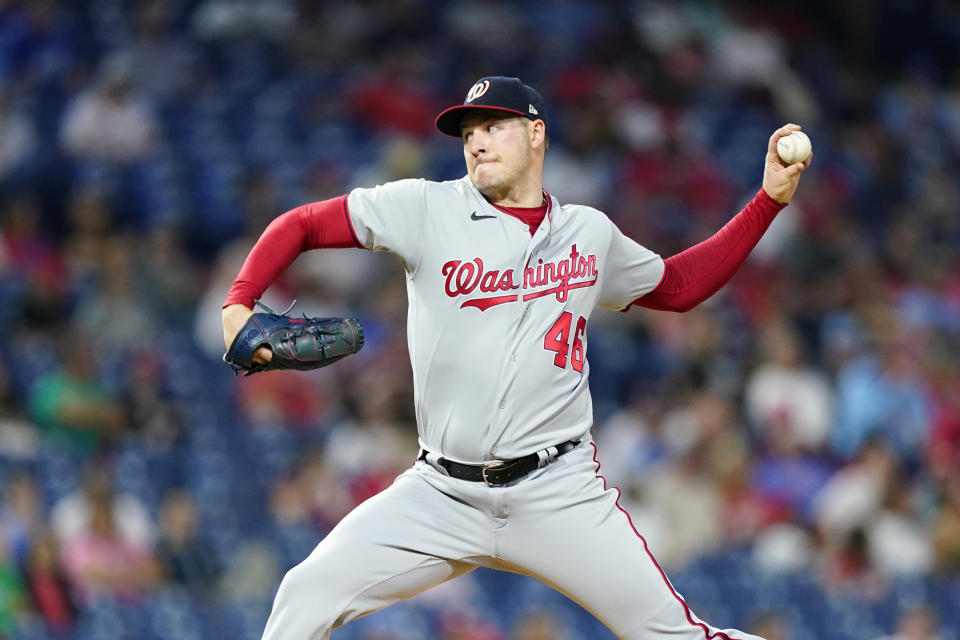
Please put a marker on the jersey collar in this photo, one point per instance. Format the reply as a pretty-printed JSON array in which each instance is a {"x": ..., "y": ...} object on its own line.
[{"x": 550, "y": 202}]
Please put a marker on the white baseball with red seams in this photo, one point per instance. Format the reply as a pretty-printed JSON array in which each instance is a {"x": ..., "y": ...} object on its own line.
[
  {"x": 497, "y": 339},
  {"x": 795, "y": 147}
]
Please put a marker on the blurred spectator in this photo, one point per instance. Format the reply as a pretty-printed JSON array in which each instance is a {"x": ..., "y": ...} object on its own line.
[
  {"x": 883, "y": 394},
  {"x": 685, "y": 489},
  {"x": 292, "y": 518},
  {"x": 171, "y": 276},
  {"x": 537, "y": 625},
  {"x": 316, "y": 486},
  {"x": 90, "y": 222},
  {"x": 160, "y": 56},
  {"x": 917, "y": 114},
  {"x": 402, "y": 157},
  {"x": 366, "y": 454},
  {"x": 916, "y": 623},
  {"x": 746, "y": 511},
  {"x": 629, "y": 440},
  {"x": 48, "y": 42},
  {"x": 18, "y": 436},
  {"x": 262, "y": 202},
  {"x": 394, "y": 98},
  {"x": 154, "y": 417},
  {"x": 899, "y": 543},
  {"x": 752, "y": 55},
  {"x": 394, "y": 623},
  {"x": 855, "y": 492},
  {"x": 946, "y": 527},
  {"x": 791, "y": 480},
  {"x": 102, "y": 565},
  {"x": 18, "y": 139},
  {"x": 465, "y": 623},
  {"x": 71, "y": 405},
  {"x": 184, "y": 558},
  {"x": 13, "y": 594},
  {"x": 332, "y": 280},
  {"x": 116, "y": 303},
  {"x": 691, "y": 504},
  {"x": 943, "y": 449},
  {"x": 49, "y": 588},
  {"x": 580, "y": 171},
  {"x": 769, "y": 626},
  {"x": 492, "y": 32},
  {"x": 693, "y": 348},
  {"x": 21, "y": 516},
  {"x": 322, "y": 36},
  {"x": 784, "y": 547},
  {"x": 114, "y": 318},
  {"x": 789, "y": 403},
  {"x": 72, "y": 516},
  {"x": 286, "y": 400},
  {"x": 34, "y": 262},
  {"x": 240, "y": 19},
  {"x": 251, "y": 574},
  {"x": 846, "y": 568},
  {"x": 382, "y": 631},
  {"x": 110, "y": 122}
]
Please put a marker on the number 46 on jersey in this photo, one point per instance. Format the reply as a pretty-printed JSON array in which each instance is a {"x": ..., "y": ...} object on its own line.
[{"x": 558, "y": 341}]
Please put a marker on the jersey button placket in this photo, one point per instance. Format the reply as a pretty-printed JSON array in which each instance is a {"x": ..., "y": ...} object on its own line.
[
  {"x": 523, "y": 316},
  {"x": 514, "y": 358}
]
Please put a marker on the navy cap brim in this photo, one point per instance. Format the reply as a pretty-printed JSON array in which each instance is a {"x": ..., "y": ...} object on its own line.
[{"x": 449, "y": 120}]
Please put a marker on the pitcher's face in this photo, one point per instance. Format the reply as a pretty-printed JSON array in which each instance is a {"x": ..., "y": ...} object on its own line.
[{"x": 497, "y": 150}]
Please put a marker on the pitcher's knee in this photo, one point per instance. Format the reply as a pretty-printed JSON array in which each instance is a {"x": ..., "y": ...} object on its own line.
[{"x": 306, "y": 592}]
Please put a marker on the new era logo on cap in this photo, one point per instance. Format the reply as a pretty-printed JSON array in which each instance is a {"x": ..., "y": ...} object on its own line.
[{"x": 496, "y": 93}]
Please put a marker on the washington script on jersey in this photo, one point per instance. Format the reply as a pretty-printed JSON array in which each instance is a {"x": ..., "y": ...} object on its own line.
[{"x": 466, "y": 277}]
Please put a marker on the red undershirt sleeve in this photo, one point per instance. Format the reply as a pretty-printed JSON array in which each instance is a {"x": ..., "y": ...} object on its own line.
[
  {"x": 318, "y": 225},
  {"x": 692, "y": 276}
]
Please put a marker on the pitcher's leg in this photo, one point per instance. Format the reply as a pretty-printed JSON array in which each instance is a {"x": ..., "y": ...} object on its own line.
[
  {"x": 570, "y": 533},
  {"x": 395, "y": 545}
]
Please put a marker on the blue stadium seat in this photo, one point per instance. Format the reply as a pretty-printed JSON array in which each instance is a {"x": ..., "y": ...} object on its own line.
[
  {"x": 401, "y": 620},
  {"x": 31, "y": 629},
  {"x": 295, "y": 543},
  {"x": 133, "y": 475},
  {"x": 172, "y": 614},
  {"x": 246, "y": 620},
  {"x": 59, "y": 471},
  {"x": 274, "y": 448},
  {"x": 108, "y": 621}
]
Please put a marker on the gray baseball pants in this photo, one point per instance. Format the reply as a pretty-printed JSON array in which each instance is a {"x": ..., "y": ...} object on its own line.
[{"x": 560, "y": 524}]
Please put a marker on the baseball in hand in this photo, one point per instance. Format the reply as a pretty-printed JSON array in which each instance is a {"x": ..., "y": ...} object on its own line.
[{"x": 794, "y": 147}]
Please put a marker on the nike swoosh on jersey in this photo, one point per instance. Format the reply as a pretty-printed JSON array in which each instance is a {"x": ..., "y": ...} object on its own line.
[{"x": 474, "y": 216}]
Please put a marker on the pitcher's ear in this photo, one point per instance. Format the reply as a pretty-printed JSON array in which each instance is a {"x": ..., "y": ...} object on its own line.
[{"x": 538, "y": 134}]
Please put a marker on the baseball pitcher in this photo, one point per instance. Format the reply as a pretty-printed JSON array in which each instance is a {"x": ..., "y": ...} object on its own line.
[{"x": 502, "y": 281}]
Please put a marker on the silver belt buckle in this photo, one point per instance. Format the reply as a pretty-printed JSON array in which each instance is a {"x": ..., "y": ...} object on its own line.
[{"x": 486, "y": 467}]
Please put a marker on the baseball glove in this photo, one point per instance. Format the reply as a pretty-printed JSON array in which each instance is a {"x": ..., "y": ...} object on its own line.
[{"x": 297, "y": 343}]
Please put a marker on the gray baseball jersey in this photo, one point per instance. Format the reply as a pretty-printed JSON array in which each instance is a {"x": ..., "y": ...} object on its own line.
[
  {"x": 497, "y": 336},
  {"x": 497, "y": 318}
]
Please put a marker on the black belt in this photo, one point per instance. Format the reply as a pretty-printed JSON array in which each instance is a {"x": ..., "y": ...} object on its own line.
[{"x": 497, "y": 474}]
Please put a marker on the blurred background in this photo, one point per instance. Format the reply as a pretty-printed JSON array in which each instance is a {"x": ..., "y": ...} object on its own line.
[{"x": 790, "y": 449}]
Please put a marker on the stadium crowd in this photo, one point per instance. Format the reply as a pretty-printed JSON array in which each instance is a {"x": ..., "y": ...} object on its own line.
[{"x": 790, "y": 449}]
